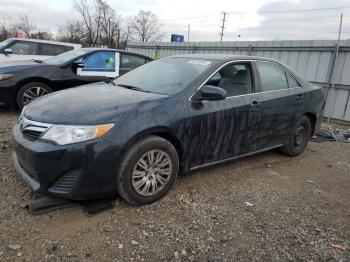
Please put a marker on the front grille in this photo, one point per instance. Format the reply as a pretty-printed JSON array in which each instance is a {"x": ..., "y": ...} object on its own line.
[
  {"x": 65, "y": 184},
  {"x": 32, "y": 130}
]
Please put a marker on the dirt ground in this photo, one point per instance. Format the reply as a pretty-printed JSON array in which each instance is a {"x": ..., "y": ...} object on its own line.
[{"x": 298, "y": 209}]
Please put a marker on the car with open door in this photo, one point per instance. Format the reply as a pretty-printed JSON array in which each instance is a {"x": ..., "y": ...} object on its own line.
[
  {"x": 24, "y": 49},
  {"x": 22, "y": 82},
  {"x": 134, "y": 135}
]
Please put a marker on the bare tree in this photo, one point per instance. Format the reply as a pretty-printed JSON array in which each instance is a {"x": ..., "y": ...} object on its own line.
[
  {"x": 145, "y": 27},
  {"x": 42, "y": 34},
  {"x": 110, "y": 26},
  {"x": 24, "y": 25},
  {"x": 6, "y": 30},
  {"x": 92, "y": 16},
  {"x": 72, "y": 31}
]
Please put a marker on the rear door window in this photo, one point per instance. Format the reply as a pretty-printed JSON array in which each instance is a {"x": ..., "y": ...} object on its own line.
[
  {"x": 52, "y": 50},
  {"x": 272, "y": 77},
  {"x": 131, "y": 61},
  {"x": 24, "y": 48}
]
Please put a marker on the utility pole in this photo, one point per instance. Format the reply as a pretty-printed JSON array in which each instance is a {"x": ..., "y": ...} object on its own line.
[
  {"x": 188, "y": 33},
  {"x": 117, "y": 44},
  {"x": 334, "y": 71},
  {"x": 223, "y": 25}
]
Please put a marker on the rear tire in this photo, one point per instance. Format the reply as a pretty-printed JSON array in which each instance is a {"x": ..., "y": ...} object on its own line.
[
  {"x": 299, "y": 138},
  {"x": 147, "y": 171},
  {"x": 31, "y": 91}
]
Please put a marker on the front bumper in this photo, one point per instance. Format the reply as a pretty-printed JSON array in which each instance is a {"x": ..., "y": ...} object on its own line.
[
  {"x": 7, "y": 93},
  {"x": 79, "y": 171}
]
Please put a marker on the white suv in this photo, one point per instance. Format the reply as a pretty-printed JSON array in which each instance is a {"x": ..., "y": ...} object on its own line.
[{"x": 21, "y": 49}]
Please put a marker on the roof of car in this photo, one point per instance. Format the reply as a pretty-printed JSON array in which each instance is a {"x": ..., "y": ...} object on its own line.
[
  {"x": 223, "y": 57},
  {"x": 46, "y": 41},
  {"x": 111, "y": 49}
]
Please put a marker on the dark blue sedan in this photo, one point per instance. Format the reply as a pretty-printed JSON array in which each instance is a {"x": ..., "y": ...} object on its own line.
[
  {"x": 21, "y": 82},
  {"x": 133, "y": 136}
]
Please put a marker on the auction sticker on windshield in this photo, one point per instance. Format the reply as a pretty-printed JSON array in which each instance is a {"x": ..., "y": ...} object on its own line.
[{"x": 199, "y": 62}]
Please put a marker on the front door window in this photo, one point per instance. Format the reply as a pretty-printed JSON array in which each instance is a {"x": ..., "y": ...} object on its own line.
[{"x": 102, "y": 63}]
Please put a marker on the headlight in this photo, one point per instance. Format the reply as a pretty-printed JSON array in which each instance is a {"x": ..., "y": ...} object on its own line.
[
  {"x": 5, "y": 77},
  {"x": 63, "y": 135}
]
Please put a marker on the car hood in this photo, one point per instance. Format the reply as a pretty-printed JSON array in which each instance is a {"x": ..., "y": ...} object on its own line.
[
  {"x": 97, "y": 103},
  {"x": 12, "y": 66}
]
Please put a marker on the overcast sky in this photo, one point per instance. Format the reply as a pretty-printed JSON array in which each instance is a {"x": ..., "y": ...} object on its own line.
[{"x": 246, "y": 20}]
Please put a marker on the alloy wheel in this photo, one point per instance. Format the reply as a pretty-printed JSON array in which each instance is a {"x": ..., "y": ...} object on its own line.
[
  {"x": 299, "y": 136},
  {"x": 33, "y": 93},
  {"x": 151, "y": 173}
]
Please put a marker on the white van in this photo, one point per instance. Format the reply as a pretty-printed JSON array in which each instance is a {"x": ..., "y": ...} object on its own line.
[{"x": 22, "y": 49}]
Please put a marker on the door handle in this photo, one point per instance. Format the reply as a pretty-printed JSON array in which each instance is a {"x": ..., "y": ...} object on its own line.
[
  {"x": 299, "y": 97},
  {"x": 254, "y": 103}
]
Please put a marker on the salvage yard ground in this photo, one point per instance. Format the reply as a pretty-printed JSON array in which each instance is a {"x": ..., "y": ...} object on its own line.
[{"x": 263, "y": 208}]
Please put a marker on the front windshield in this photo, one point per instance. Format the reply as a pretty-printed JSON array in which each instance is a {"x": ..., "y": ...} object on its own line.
[
  {"x": 65, "y": 57},
  {"x": 4, "y": 43},
  {"x": 165, "y": 76}
]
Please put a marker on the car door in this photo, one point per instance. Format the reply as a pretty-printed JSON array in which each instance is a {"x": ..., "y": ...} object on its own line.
[
  {"x": 102, "y": 65},
  {"x": 281, "y": 103},
  {"x": 22, "y": 50},
  {"x": 226, "y": 128},
  {"x": 99, "y": 66},
  {"x": 129, "y": 62}
]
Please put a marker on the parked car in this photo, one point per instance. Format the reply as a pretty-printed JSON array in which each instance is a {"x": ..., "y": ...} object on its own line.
[
  {"x": 22, "y": 82},
  {"x": 134, "y": 135},
  {"x": 23, "y": 49}
]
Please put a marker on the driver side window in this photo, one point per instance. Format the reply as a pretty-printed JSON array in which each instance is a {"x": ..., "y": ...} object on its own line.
[
  {"x": 235, "y": 79},
  {"x": 100, "y": 61}
]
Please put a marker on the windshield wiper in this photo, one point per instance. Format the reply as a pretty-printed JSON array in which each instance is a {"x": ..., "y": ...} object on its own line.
[{"x": 134, "y": 88}]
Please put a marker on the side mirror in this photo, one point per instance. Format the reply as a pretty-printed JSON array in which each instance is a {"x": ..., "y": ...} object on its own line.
[
  {"x": 7, "y": 51},
  {"x": 78, "y": 64},
  {"x": 210, "y": 93}
]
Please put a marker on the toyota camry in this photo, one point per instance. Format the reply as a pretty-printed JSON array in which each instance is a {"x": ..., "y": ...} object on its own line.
[{"x": 134, "y": 135}]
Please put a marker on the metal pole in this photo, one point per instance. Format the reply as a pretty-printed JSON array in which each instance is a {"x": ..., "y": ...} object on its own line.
[
  {"x": 223, "y": 26},
  {"x": 188, "y": 33},
  {"x": 335, "y": 70}
]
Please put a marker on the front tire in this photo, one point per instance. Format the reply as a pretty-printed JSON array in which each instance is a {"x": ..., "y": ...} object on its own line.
[
  {"x": 31, "y": 91},
  {"x": 147, "y": 171},
  {"x": 299, "y": 138}
]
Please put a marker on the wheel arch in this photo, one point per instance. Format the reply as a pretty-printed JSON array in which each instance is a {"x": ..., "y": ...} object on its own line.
[
  {"x": 28, "y": 80},
  {"x": 33, "y": 79},
  {"x": 163, "y": 132},
  {"x": 313, "y": 120}
]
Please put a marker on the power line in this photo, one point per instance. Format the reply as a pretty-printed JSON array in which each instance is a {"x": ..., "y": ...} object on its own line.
[
  {"x": 291, "y": 11},
  {"x": 223, "y": 26},
  {"x": 299, "y": 18},
  {"x": 205, "y": 16},
  {"x": 193, "y": 17},
  {"x": 264, "y": 21}
]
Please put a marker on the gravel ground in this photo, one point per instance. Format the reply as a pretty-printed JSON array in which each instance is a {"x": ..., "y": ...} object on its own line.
[{"x": 264, "y": 208}]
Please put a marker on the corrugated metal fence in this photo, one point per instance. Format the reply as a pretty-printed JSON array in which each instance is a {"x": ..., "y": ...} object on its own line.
[{"x": 315, "y": 60}]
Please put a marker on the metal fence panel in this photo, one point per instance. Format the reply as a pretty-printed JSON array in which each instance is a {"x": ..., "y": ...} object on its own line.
[{"x": 312, "y": 58}]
